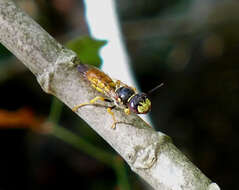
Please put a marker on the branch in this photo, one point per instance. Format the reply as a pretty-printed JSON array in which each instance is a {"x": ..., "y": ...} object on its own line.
[{"x": 149, "y": 153}]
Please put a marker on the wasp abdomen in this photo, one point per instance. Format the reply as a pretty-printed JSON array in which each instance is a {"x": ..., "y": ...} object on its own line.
[{"x": 100, "y": 81}]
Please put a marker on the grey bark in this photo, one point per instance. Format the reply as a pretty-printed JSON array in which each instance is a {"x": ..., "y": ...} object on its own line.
[{"x": 149, "y": 153}]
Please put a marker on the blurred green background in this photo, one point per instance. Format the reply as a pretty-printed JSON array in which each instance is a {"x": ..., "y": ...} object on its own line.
[{"x": 190, "y": 45}]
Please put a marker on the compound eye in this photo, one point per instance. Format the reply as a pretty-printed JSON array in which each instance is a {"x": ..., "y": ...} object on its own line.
[
  {"x": 140, "y": 104},
  {"x": 133, "y": 104}
]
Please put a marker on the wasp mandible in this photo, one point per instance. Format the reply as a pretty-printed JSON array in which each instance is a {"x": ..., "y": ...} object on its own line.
[{"x": 115, "y": 91}]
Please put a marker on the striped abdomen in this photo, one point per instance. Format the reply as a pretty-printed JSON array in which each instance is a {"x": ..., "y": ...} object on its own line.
[{"x": 98, "y": 79}]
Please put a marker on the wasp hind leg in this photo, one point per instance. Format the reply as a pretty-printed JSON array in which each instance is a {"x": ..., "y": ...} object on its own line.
[{"x": 92, "y": 102}]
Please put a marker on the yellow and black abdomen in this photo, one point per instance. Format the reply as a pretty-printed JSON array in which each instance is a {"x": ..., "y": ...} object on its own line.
[{"x": 100, "y": 81}]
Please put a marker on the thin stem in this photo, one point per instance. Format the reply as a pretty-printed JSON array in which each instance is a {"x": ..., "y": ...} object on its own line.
[
  {"x": 55, "y": 111},
  {"x": 83, "y": 145},
  {"x": 75, "y": 140},
  {"x": 122, "y": 177}
]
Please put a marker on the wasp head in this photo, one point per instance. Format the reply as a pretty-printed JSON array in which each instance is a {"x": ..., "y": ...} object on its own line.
[{"x": 140, "y": 103}]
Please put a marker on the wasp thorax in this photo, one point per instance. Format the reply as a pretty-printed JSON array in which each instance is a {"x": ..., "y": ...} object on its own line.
[
  {"x": 124, "y": 94},
  {"x": 140, "y": 103}
]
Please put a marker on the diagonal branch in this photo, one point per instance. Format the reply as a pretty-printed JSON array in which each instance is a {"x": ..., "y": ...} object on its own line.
[{"x": 149, "y": 153}]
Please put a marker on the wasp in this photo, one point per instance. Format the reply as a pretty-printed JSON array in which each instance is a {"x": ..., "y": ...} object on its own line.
[{"x": 114, "y": 91}]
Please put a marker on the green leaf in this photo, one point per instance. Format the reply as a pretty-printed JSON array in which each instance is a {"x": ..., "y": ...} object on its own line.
[
  {"x": 4, "y": 53},
  {"x": 87, "y": 49}
]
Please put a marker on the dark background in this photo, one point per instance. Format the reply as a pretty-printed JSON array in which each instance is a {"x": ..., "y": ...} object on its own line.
[{"x": 190, "y": 45}]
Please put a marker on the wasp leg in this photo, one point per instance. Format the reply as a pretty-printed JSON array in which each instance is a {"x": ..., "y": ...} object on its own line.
[
  {"x": 127, "y": 111},
  {"x": 109, "y": 110},
  {"x": 91, "y": 102}
]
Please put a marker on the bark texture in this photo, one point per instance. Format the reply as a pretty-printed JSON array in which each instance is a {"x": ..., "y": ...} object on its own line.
[{"x": 149, "y": 153}]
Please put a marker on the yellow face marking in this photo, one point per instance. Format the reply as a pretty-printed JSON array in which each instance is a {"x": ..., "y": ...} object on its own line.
[{"x": 145, "y": 106}]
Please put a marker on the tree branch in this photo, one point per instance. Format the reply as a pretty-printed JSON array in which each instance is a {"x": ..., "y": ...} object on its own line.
[{"x": 149, "y": 153}]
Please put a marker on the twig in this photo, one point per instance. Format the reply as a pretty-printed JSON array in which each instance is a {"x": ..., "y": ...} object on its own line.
[
  {"x": 79, "y": 143},
  {"x": 149, "y": 153}
]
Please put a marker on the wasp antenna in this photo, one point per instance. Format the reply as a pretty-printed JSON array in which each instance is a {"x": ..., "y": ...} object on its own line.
[{"x": 155, "y": 88}]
